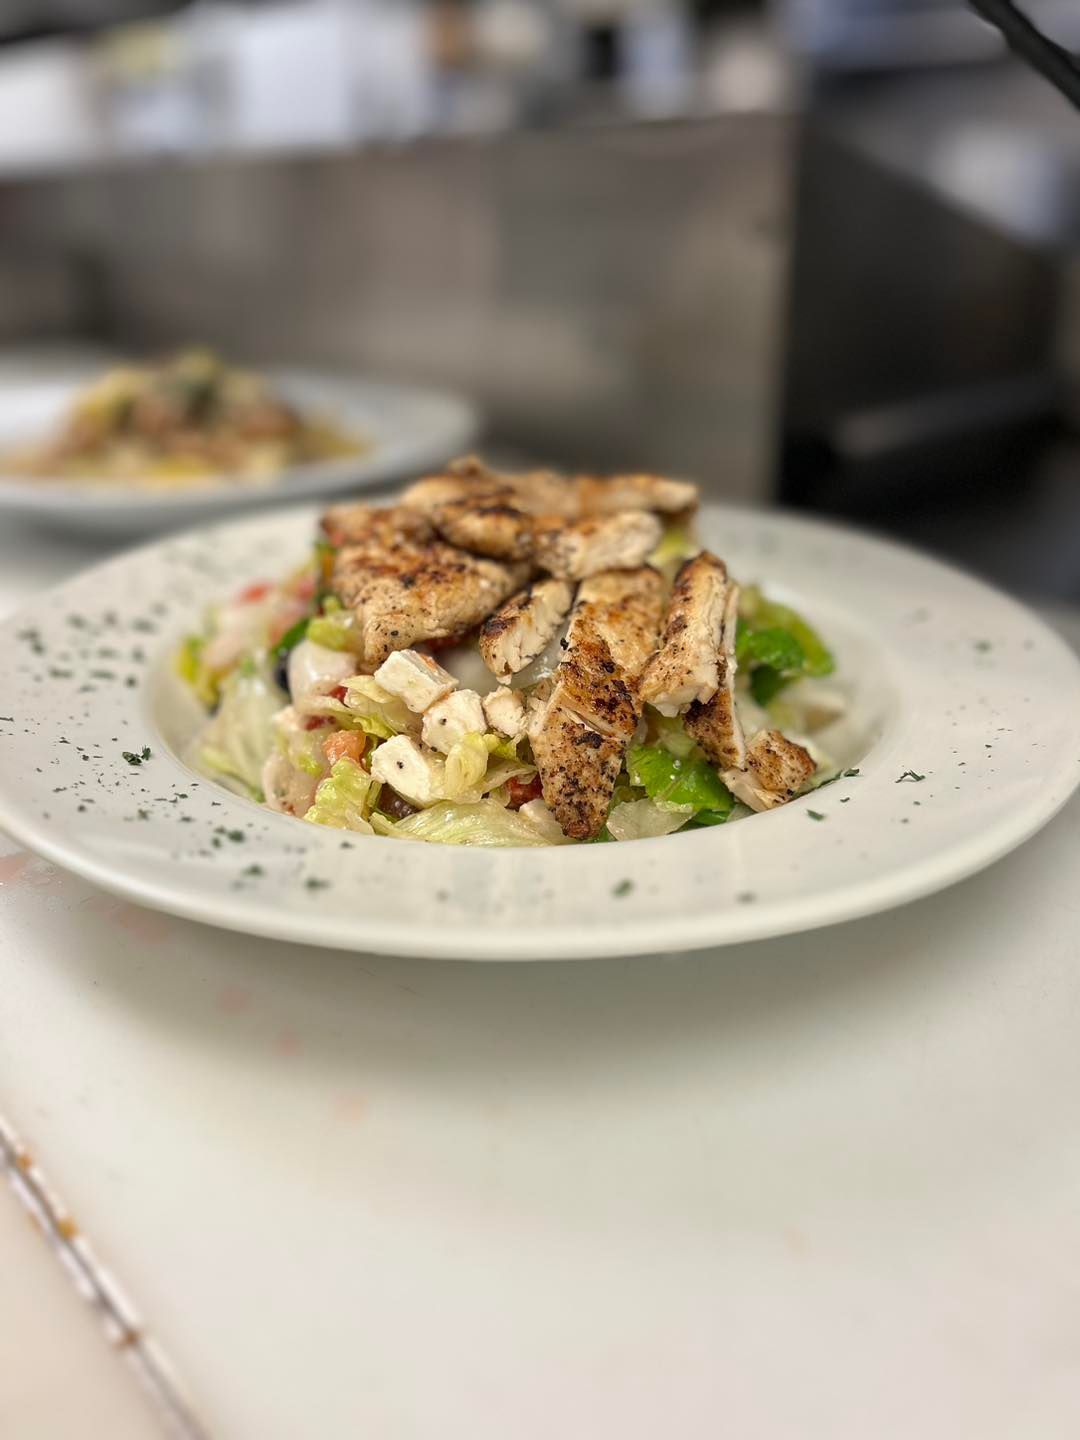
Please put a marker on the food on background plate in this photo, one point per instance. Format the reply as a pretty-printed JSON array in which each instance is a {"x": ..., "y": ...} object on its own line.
[
  {"x": 185, "y": 420},
  {"x": 510, "y": 660}
]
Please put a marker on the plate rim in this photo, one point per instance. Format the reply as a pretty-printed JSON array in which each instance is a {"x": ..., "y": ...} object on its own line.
[{"x": 662, "y": 933}]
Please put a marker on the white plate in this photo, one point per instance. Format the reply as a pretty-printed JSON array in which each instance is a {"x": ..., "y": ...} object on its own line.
[
  {"x": 949, "y": 680},
  {"x": 409, "y": 429}
]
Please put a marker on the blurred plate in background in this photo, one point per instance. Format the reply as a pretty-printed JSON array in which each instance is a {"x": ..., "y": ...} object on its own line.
[{"x": 406, "y": 430}]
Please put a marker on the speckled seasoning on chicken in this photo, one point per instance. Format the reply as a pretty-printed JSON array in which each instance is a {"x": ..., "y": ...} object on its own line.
[{"x": 498, "y": 660}]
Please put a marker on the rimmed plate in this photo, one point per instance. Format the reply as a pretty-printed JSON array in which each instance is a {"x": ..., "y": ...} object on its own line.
[
  {"x": 409, "y": 429},
  {"x": 965, "y": 731}
]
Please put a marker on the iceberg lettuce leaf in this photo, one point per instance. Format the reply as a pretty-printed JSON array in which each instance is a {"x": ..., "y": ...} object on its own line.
[
  {"x": 235, "y": 742},
  {"x": 480, "y": 822},
  {"x": 346, "y": 798}
]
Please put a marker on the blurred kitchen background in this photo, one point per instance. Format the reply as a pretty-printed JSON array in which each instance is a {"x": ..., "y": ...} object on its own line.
[{"x": 817, "y": 252}]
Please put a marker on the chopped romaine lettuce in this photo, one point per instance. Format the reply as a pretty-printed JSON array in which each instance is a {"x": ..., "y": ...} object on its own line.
[
  {"x": 766, "y": 683},
  {"x": 346, "y": 798},
  {"x": 376, "y": 711},
  {"x": 645, "y": 819},
  {"x": 763, "y": 614},
  {"x": 676, "y": 544},
  {"x": 466, "y": 767},
  {"x": 673, "y": 781},
  {"x": 771, "y": 646},
  {"x": 480, "y": 822},
  {"x": 670, "y": 732},
  {"x": 192, "y": 668},
  {"x": 335, "y": 630},
  {"x": 479, "y": 764},
  {"x": 292, "y": 638},
  {"x": 234, "y": 744}
]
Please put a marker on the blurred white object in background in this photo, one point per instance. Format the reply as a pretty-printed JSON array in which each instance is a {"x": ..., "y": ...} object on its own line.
[
  {"x": 285, "y": 72},
  {"x": 47, "y": 115}
]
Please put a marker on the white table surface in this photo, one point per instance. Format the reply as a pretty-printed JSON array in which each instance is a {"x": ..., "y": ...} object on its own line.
[{"x": 824, "y": 1186}]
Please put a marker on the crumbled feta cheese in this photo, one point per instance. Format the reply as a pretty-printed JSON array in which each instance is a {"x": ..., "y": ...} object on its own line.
[
  {"x": 417, "y": 679},
  {"x": 451, "y": 718},
  {"x": 416, "y": 777}
]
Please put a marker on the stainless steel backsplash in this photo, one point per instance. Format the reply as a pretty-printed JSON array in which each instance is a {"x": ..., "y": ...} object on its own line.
[{"x": 609, "y": 296}]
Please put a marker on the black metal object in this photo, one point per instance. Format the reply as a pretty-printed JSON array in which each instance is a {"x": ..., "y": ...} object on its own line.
[{"x": 1050, "y": 59}]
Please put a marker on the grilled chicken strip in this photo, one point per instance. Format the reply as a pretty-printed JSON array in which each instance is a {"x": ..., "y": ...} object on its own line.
[
  {"x": 404, "y": 592},
  {"x": 576, "y": 549},
  {"x": 492, "y": 525},
  {"x": 578, "y": 769},
  {"x": 776, "y": 770},
  {"x": 601, "y": 496},
  {"x": 714, "y": 723},
  {"x": 385, "y": 525},
  {"x": 546, "y": 493},
  {"x": 579, "y": 736},
  {"x": 520, "y": 630},
  {"x": 686, "y": 666},
  {"x": 626, "y": 606}
]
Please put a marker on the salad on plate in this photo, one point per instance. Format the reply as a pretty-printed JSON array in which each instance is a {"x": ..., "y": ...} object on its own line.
[{"x": 512, "y": 660}]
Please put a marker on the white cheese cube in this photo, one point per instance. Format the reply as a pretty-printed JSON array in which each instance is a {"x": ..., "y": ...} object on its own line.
[
  {"x": 452, "y": 717},
  {"x": 505, "y": 711},
  {"x": 417, "y": 679},
  {"x": 415, "y": 776}
]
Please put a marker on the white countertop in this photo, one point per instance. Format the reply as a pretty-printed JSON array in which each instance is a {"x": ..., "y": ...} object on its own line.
[{"x": 824, "y": 1186}]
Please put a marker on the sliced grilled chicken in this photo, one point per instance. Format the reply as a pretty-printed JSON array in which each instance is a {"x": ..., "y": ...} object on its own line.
[
  {"x": 406, "y": 592},
  {"x": 492, "y": 525},
  {"x": 626, "y": 606},
  {"x": 576, "y": 549},
  {"x": 386, "y": 525},
  {"x": 504, "y": 711},
  {"x": 590, "y": 685},
  {"x": 686, "y": 666},
  {"x": 714, "y": 723},
  {"x": 579, "y": 736},
  {"x": 517, "y": 633},
  {"x": 776, "y": 770},
  {"x": 578, "y": 769},
  {"x": 546, "y": 493},
  {"x": 601, "y": 495}
]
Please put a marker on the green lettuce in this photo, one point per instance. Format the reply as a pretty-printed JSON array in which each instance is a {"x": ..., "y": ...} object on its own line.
[
  {"x": 675, "y": 545},
  {"x": 671, "y": 780},
  {"x": 762, "y": 614},
  {"x": 645, "y": 819},
  {"x": 375, "y": 711},
  {"x": 334, "y": 630},
  {"x": 346, "y": 798},
  {"x": 194, "y": 671},
  {"x": 669, "y": 731},
  {"x": 771, "y": 646},
  {"x": 234, "y": 745},
  {"x": 480, "y": 822}
]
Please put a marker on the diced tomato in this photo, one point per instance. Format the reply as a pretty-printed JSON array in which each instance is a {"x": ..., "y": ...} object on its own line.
[
  {"x": 339, "y": 692},
  {"x": 316, "y": 722},
  {"x": 258, "y": 591},
  {"x": 522, "y": 791},
  {"x": 344, "y": 745}
]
